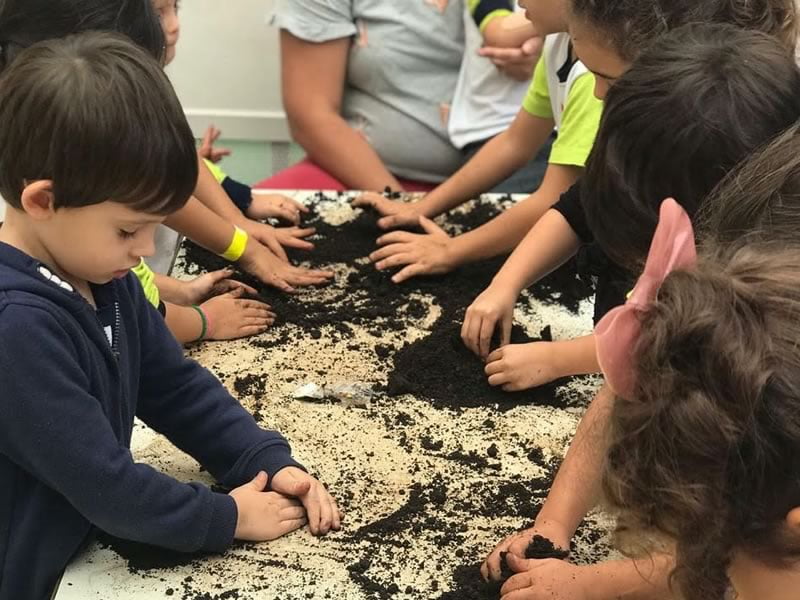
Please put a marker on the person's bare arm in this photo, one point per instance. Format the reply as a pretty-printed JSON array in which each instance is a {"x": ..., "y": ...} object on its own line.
[
  {"x": 503, "y": 233},
  {"x": 313, "y": 78},
  {"x": 498, "y": 159},
  {"x": 508, "y": 31},
  {"x": 202, "y": 225},
  {"x": 211, "y": 194}
]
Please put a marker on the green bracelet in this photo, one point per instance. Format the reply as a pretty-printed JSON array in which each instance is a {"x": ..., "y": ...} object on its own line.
[{"x": 204, "y": 319}]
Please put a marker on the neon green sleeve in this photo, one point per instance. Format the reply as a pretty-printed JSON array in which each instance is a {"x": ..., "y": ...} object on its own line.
[
  {"x": 218, "y": 173},
  {"x": 579, "y": 124},
  {"x": 537, "y": 100},
  {"x": 148, "y": 280}
]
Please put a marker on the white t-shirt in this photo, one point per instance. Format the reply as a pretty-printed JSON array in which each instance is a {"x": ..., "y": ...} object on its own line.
[{"x": 485, "y": 100}]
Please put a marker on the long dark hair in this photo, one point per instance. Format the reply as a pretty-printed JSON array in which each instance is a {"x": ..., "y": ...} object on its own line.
[
  {"x": 630, "y": 26},
  {"x": 696, "y": 103},
  {"x": 26, "y": 22},
  {"x": 706, "y": 452}
]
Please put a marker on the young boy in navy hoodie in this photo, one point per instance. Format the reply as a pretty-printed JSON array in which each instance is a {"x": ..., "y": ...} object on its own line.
[{"x": 94, "y": 153}]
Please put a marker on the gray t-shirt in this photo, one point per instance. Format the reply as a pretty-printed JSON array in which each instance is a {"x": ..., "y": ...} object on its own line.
[{"x": 401, "y": 74}]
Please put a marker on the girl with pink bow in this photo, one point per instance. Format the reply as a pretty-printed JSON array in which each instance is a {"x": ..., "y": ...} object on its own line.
[{"x": 674, "y": 125}]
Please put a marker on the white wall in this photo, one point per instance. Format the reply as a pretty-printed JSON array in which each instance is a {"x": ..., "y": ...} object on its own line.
[{"x": 227, "y": 68}]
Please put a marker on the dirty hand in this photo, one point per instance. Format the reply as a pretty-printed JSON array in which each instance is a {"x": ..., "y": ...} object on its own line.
[
  {"x": 517, "y": 543},
  {"x": 275, "y": 238},
  {"x": 275, "y": 206},
  {"x": 265, "y": 516},
  {"x": 207, "y": 149},
  {"x": 263, "y": 264},
  {"x": 230, "y": 317},
  {"x": 418, "y": 254},
  {"x": 212, "y": 284},
  {"x": 517, "y": 63},
  {"x": 395, "y": 213},
  {"x": 494, "y": 306},
  {"x": 518, "y": 367},
  {"x": 323, "y": 514},
  {"x": 548, "y": 579}
]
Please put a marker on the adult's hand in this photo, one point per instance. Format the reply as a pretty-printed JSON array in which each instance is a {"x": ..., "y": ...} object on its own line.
[{"x": 517, "y": 63}]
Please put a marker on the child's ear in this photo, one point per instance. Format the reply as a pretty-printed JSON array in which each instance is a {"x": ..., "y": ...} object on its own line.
[
  {"x": 38, "y": 200},
  {"x": 793, "y": 520}
]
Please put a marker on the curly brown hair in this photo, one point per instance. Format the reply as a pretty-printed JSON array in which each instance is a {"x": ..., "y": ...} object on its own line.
[
  {"x": 630, "y": 26},
  {"x": 759, "y": 199},
  {"x": 707, "y": 452}
]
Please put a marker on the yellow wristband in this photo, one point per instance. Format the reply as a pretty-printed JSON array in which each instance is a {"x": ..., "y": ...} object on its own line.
[{"x": 237, "y": 247}]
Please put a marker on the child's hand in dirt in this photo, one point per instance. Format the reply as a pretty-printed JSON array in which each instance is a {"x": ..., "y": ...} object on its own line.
[
  {"x": 260, "y": 262},
  {"x": 518, "y": 367},
  {"x": 216, "y": 283},
  {"x": 548, "y": 579},
  {"x": 323, "y": 514},
  {"x": 395, "y": 212},
  {"x": 265, "y": 516},
  {"x": 492, "y": 308},
  {"x": 275, "y": 206},
  {"x": 207, "y": 149},
  {"x": 275, "y": 238},
  {"x": 418, "y": 254},
  {"x": 517, "y": 543},
  {"x": 230, "y": 317}
]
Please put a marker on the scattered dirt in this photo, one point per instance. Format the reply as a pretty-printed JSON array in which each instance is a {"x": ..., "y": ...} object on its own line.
[{"x": 432, "y": 472}]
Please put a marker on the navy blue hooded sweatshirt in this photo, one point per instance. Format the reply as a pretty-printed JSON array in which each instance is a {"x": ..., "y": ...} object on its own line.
[{"x": 72, "y": 378}]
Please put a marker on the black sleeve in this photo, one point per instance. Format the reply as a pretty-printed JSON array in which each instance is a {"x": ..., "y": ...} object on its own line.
[
  {"x": 571, "y": 208},
  {"x": 240, "y": 194},
  {"x": 484, "y": 7}
]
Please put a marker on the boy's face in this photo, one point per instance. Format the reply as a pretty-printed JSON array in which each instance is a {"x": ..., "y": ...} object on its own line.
[
  {"x": 95, "y": 243},
  {"x": 167, "y": 11},
  {"x": 598, "y": 57},
  {"x": 547, "y": 16}
]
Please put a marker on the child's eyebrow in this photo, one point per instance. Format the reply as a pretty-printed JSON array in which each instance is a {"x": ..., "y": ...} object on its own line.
[{"x": 142, "y": 221}]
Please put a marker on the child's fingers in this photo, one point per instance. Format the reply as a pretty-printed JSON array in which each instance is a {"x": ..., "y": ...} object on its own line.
[
  {"x": 293, "y": 513},
  {"x": 485, "y": 336},
  {"x": 259, "y": 482},
  {"x": 520, "y": 581},
  {"x": 493, "y": 367},
  {"x": 291, "y": 525},
  {"x": 430, "y": 226},
  {"x": 395, "y": 260},
  {"x": 469, "y": 333},
  {"x": 500, "y": 378},
  {"x": 385, "y": 252},
  {"x": 293, "y": 242},
  {"x": 396, "y": 237},
  {"x": 505, "y": 329},
  {"x": 250, "y": 290},
  {"x": 337, "y": 514},
  {"x": 275, "y": 246},
  {"x": 408, "y": 272}
]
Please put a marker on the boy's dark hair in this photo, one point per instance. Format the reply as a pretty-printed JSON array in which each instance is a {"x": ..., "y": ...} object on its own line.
[
  {"x": 707, "y": 451},
  {"x": 26, "y": 22},
  {"x": 760, "y": 199},
  {"x": 96, "y": 115},
  {"x": 630, "y": 26},
  {"x": 692, "y": 106}
]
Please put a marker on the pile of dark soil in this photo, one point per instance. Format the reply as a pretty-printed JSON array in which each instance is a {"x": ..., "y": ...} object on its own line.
[{"x": 439, "y": 366}]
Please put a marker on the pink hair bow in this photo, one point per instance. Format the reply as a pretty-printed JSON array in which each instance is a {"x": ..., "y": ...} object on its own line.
[{"x": 672, "y": 248}]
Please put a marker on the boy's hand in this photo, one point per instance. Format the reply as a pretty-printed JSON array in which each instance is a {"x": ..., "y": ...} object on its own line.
[
  {"x": 275, "y": 206},
  {"x": 418, "y": 254},
  {"x": 207, "y": 149},
  {"x": 260, "y": 262},
  {"x": 275, "y": 238},
  {"x": 230, "y": 317},
  {"x": 396, "y": 213},
  {"x": 517, "y": 543},
  {"x": 265, "y": 516},
  {"x": 549, "y": 579},
  {"x": 494, "y": 306},
  {"x": 216, "y": 283},
  {"x": 323, "y": 514},
  {"x": 518, "y": 367}
]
